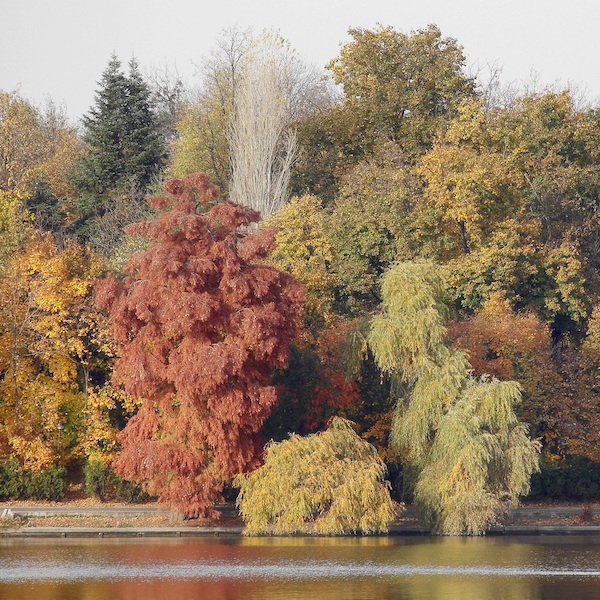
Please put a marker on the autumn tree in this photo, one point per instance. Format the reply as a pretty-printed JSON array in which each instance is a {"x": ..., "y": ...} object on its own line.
[
  {"x": 397, "y": 87},
  {"x": 491, "y": 229},
  {"x": 518, "y": 346},
  {"x": 262, "y": 143},
  {"x": 401, "y": 87},
  {"x": 47, "y": 349},
  {"x": 21, "y": 141},
  {"x": 305, "y": 251},
  {"x": 201, "y": 323},
  {"x": 203, "y": 145},
  {"x": 372, "y": 224},
  {"x": 330, "y": 482},
  {"x": 229, "y": 104},
  {"x": 459, "y": 432},
  {"x": 38, "y": 148}
]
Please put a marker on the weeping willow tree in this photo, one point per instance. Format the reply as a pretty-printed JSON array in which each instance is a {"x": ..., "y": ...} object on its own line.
[
  {"x": 460, "y": 433},
  {"x": 330, "y": 482}
]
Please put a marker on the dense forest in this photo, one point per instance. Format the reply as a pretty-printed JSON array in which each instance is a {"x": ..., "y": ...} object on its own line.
[{"x": 392, "y": 247}]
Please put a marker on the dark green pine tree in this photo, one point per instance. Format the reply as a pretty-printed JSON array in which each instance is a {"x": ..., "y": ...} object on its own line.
[
  {"x": 143, "y": 143},
  {"x": 125, "y": 148},
  {"x": 102, "y": 168}
]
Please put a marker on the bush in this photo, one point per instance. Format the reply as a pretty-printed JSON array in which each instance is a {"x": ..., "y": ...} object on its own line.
[
  {"x": 99, "y": 479},
  {"x": 103, "y": 483},
  {"x": 47, "y": 484},
  {"x": 18, "y": 483},
  {"x": 12, "y": 484},
  {"x": 574, "y": 478},
  {"x": 128, "y": 491}
]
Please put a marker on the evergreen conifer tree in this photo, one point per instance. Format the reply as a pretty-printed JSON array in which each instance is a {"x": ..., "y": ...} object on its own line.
[
  {"x": 125, "y": 149},
  {"x": 143, "y": 145}
]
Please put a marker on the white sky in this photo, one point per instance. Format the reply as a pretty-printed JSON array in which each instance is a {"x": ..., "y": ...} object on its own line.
[{"x": 59, "y": 48}]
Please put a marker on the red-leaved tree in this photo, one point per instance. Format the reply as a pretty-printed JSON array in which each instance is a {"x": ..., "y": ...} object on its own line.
[{"x": 201, "y": 322}]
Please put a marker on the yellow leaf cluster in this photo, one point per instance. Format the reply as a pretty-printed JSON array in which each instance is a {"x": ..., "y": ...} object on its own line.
[
  {"x": 48, "y": 334},
  {"x": 328, "y": 483},
  {"x": 304, "y": 250}
]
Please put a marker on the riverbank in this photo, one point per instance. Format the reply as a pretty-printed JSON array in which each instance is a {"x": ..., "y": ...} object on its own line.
[{"x": 90, "y": 518}]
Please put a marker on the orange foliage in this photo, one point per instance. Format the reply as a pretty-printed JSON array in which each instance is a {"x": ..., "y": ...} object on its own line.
[
  {"x": 201, "y": 323},
  {"x": 503, "y": 343},
  {"x": 557, "y": 401},
  {"x": 334, "y": 391}
]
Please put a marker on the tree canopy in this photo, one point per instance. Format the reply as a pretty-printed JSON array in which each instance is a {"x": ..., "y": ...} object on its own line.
[
  {"x": 459, "y": 432},
  {"x": 201, "y": 323},
  {"x": 330, "y": 482}
]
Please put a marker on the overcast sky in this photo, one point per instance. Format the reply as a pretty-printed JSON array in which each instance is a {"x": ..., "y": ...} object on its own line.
[{"x": 59, "y": 48}]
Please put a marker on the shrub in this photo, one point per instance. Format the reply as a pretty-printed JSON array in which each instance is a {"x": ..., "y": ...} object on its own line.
[
  {"x": 573, "y": 478},
  {"x": 99, "y": 479},
  {"x": 47, "y": 484},
  {"x": 18, "y": 483},
  {"x": 12, "y": 484},
  {"x": 103, "y": 483}
]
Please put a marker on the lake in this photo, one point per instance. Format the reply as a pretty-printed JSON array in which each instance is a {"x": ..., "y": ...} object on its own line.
[{"x": 402, "y": 568}]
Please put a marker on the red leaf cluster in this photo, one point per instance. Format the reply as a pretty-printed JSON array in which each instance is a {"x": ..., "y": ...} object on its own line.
[{"x": 201, "y": 324}]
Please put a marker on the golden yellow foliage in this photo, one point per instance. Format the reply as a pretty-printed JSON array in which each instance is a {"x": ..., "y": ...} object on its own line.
[
  {"x": 47, "y": 338},
  {"x": 326, "y": 483},
  {"x": 467, "y": 177},
  {"x": 304, "y": 250},
  {"x": 35, "y": 145}
]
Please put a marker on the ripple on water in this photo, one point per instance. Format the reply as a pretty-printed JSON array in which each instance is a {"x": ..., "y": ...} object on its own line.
[{"x": 305, "y": 570}]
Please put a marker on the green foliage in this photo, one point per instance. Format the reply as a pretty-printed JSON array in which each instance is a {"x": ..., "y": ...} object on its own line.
[
  {"x": 401, "y": 87},
  {"x": 103, "y": 483},
  {"x": 461, "y": 433},
  {"x": 202, "y": 146},
  {"x": 11, "y": 480},
  {"x": 124, "y": 146},
  {"x": 371, "y": 225},
  {"x": 97, "y": 478},
  {"x": 47, "y": 484},
  {"x": 325, "y": 483},
  {"x": 574, "y": 478},
  {"x": 17, "y": 483}
]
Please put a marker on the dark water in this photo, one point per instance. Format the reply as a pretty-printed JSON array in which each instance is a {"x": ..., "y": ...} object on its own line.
[{"x": 298, "y": 568}]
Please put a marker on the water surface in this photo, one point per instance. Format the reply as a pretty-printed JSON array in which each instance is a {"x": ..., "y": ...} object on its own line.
[{"x": 414, "y": 568}]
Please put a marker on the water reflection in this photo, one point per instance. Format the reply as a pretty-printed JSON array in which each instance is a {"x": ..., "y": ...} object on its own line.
[{"x": 313, "y": 568}]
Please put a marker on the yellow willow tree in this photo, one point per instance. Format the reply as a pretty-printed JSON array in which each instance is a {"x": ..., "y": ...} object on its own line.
[
  {"x": 330, "y": 482},
  {"x": 460, "y": 433}
]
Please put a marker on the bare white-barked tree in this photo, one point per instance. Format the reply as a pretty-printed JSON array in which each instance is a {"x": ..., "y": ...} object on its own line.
[{"x": 272, "y": 92}]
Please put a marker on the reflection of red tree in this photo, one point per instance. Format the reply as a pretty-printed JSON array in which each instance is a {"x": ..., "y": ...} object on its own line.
[
  {"x": 220, "y": 589},
  {"x": 201, "y": 322}
]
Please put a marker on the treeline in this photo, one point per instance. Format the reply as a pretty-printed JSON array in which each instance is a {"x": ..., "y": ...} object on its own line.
[{"x": 397, "y": 158}]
